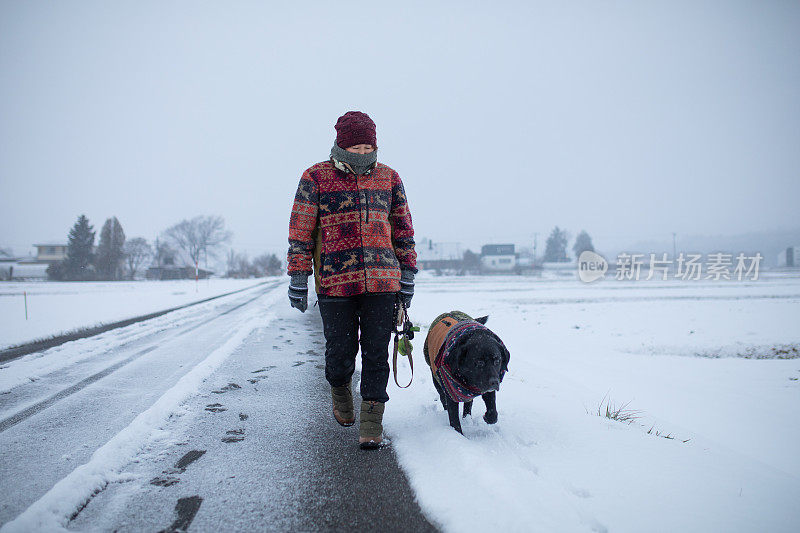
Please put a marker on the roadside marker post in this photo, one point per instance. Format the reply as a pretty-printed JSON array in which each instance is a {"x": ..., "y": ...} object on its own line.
[{"x": 25, "y": 294}]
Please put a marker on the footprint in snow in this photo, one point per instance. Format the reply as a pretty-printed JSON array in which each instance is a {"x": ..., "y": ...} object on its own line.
[
  {"x": 169, "y": 479},
  {"x": 215, "y": 408},
  {"x": 166, "y": 481},
  {"x": 188, "y": 458},
  {"x": 234, "y": 435},
  {"x": 298, "y": 363},
  {"x": 226, "y": 388}
]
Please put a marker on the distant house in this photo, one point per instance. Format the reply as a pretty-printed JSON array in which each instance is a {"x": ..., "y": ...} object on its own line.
[
  {"x": 28, "y": 268},
  {"x": 498, "y": 258},
  {"x": 50, "y": 253},
  {"x": 439, "y": 256},
  {"x": 175, "y": 272},
  {"x": 790, "y": 257}
]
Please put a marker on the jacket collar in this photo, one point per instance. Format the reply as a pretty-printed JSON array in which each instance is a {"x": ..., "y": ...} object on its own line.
[{"x": 347, "y": 169}]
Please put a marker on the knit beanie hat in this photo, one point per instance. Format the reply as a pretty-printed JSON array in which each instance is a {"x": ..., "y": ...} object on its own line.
[{"x": 355, "y": 127}]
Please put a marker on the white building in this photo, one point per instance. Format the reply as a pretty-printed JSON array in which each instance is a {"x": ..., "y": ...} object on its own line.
[{"x": 498, "y": 258}]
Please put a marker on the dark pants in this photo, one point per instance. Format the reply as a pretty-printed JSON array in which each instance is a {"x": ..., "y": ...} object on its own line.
[{"x": 341, "y": 319}]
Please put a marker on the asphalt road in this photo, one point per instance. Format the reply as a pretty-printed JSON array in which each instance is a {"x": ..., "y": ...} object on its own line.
[{"x": 258, "y": 450}]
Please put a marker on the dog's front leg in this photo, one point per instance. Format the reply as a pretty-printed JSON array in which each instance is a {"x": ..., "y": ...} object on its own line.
[
  {"x": 452, "y": 413},
  {"x": 442, "y": 395},
  {"x": 491, "y": 407},
  {"x": 467, "y": 409}
]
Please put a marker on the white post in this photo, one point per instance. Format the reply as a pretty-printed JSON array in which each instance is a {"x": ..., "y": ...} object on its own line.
[{"x": 25, "y": 294}]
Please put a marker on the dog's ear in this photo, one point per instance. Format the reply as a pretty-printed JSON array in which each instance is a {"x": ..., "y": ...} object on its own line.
[{"x": 482, "y": 319}]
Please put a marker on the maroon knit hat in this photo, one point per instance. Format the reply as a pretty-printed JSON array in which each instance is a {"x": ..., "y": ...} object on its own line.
[{"x": 355, "y": 127}]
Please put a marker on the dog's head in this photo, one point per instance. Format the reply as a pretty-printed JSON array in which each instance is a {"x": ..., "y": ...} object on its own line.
[{"x": 481, "y": 359}]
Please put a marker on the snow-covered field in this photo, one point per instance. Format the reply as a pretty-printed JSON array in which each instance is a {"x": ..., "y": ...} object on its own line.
[
  {"x": 57, "y": 307},
  {"x": 670, "y": 350}
]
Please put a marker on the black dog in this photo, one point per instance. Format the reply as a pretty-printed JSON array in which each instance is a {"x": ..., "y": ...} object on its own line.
[{"x": 467, "y": 360}]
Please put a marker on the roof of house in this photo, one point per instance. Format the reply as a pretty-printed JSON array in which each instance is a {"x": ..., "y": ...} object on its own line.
[
  {"x": 497, "y": 249},
  {"x": 57, "y": 244}
]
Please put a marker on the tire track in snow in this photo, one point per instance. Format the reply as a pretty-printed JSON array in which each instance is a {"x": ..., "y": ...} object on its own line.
[
  {"x": 40, "y": 406},
  {"x": 52, "y": 511},
  {"x": 14, "y": 352}
]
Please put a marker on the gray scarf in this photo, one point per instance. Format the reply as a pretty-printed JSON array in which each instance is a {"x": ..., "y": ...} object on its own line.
[{"x": 357, "y": 163}]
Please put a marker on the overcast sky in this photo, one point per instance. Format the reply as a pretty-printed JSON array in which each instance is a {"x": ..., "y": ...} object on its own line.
[{"x": 628, "y": 119}]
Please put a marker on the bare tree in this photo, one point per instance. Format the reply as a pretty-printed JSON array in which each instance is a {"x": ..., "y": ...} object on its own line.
[
  {"x": 267, "y": 265},
  {"x": 202, "y": 234},
  {"x": 239, "y": 266},
  {"x": 136, "y": 251}
]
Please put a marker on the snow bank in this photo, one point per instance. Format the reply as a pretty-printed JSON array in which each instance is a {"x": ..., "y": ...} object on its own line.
[
  {"x": 59, "y": 307},
  {"x": 552, "y": 464},
  {"x": 36, "y": 365},
  {"x": 53, "y": 510}
]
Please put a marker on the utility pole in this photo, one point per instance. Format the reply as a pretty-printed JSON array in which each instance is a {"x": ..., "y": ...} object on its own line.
[
  {"x": 674, "y": 248},
  {"x": 535, "y": 235}
]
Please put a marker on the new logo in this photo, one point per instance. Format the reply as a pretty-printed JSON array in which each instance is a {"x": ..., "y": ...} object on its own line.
[{"x": 591, "y": 266}]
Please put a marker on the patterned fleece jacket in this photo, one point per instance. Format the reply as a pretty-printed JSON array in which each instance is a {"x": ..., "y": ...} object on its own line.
[{"x": 359, "y": 225}]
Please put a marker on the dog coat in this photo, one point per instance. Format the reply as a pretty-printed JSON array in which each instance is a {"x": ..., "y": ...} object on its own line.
[{"x": 443, "y": 335}]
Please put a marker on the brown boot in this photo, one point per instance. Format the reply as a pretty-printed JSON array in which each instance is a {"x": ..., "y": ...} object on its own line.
[
  {"x": 343, "y": 405},
  {"x": 370, "y": 433}
]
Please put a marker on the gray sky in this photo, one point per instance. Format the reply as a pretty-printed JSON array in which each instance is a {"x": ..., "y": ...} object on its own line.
[{"x": 628, "y": 119}]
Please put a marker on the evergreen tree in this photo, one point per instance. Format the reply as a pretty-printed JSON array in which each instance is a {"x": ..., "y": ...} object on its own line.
[
  {"x": 80, "y": 251},
  {"x": 471, "y": 262},
  {"x": 110, "y": 254},
  {"x": 556, "y": 249},
  {"x": 582, "y": 243}
]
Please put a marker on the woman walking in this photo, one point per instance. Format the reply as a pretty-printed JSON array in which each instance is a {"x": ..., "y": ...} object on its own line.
[{"x": 351, "y": 220}]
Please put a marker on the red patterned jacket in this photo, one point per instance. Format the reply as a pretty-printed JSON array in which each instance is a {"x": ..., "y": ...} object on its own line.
[{"x": 363, "y": 227}]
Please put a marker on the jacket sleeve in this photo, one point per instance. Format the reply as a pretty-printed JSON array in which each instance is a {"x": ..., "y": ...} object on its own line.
[
  {"x": 302, "y": 223},
  {"x": 402, "y": 228}
]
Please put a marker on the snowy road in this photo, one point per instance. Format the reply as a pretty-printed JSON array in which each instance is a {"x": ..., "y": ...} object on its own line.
[{"x": 261, "y": 448}]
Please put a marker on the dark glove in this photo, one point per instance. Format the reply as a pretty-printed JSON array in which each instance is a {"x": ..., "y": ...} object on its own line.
[
  {"x": 298, "y": 292},
  {"x": 406, "y": 286}
]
